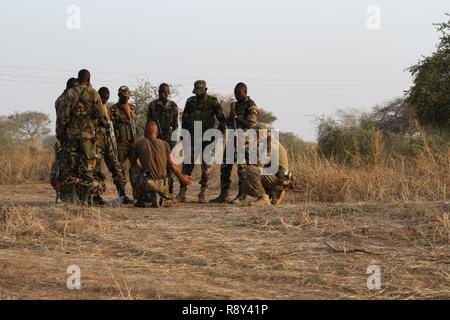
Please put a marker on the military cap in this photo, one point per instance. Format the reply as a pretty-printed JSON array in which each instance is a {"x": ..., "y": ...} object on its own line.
[
  {"x": 199, "y": 87},
  {"x": 125, "y": 91}
]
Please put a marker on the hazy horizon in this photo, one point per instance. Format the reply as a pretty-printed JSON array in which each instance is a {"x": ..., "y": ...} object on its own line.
[{"x": 300, "y": 59}]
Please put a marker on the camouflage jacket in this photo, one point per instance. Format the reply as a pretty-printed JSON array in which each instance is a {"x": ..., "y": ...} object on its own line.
[
  {"x": 59, "y": 108},
  {"x": 166, "y": 117},
  {"x": 245, "y": 110},
  {"x": 206, "y": 111},
  {"x": 123, "y": 125},
  {"x": 83, "y": 110}
]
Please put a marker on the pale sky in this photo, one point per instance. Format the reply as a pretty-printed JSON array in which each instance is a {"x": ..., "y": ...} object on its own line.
[{"x": 300, "y": 59}]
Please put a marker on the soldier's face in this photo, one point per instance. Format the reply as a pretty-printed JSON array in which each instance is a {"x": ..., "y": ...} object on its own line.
[
  {"x": 123, "y": 99},
  {"x": 105, "y": 98},
  {"x": 164, "y": 94},
  {"x": 240, "y": 94}
]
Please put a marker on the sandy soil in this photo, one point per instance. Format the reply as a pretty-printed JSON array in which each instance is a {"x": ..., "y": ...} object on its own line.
[{"x": 198, "y": 251}]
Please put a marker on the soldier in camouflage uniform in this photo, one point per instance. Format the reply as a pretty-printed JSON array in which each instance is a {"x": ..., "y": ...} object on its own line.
[
  {"x": 165, "y": 113},
  {"x": 84, "y": 109},
  {"x": 205, "y": 108},
  {"x": 123, "y": 117},
  {"x": 106, "y": 152},
  {"x": 268, "y": 189},
  {"x": 243, "y": 115},
  {"x": 60, "y": 165}
]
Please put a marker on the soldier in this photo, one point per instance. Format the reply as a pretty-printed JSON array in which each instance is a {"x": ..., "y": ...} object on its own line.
[
  {"x": 243, "y": 115},
  {"x": 268, "y": 189},
  {"x": 107, "y": 151},
  {"x": 60, "y": 168},
  {"x": 165, "y": 113},
  {"x": 206, "y": 109},
  {"x": 84, "y": 109},
  {"x": 123, "y": 117},
  {"x": 155, "y": 157}
]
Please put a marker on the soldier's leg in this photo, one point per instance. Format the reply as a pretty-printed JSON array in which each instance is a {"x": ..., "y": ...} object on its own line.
[
  {"x": 100, "y": 179},
  {"x": 87, "y": 168},
  {"x": 225, "y": 180},
  {"x": 204, "y": 183},
  {"x": 123, "y": 156},
  {"x": 254, "y": 186},
  {"x": 72, "y": 175}
]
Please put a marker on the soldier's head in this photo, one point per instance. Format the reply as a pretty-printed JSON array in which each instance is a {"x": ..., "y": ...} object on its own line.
[
  {"x": 71, "y": 83},
  {"x": 240, "y": 91},
  {"x": 104, "y": 94},
  {"x": 124, "y": 94},
  {"x": 200, "y": 88},
  {"x": 151, "y": 130},
  {"x": 164, "y": 92},
  {"x": 84, "y": 76}
]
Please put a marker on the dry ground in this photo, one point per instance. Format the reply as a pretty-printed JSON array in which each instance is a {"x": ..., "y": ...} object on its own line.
[{"x": 201, "y": 251}]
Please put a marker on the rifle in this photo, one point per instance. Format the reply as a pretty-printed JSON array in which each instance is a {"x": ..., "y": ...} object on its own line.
[{"x": 112, "y": 139}]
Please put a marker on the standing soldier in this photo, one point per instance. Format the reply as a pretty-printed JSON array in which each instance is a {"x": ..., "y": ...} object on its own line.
[
  {"x": 206, "y": 109},
  {"x": 165, "y": 113},
  {"x": 243, "y": 115},
  {"x": 60, "y": 168},
  {"x": 107, "y": 151},
  {"x": 123, "y": 117},
  {"x": 84, "y": 109}
]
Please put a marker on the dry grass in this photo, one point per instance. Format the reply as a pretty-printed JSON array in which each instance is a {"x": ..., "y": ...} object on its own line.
[
  {"x": 22, "y": 165},
  {"x": 199, "y": 251}
]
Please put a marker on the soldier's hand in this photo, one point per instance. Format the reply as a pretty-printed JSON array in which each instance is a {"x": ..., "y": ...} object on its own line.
[{"x": 186, "y": 180}]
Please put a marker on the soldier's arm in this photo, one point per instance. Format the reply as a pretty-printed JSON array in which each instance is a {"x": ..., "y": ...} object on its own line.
[
  {"x": 184, "y": 179},
  {"x": 150, "y": 112},
  {"x": 251, "y": 119},
  {"x": 99, "y": 111},
  {"x": 175, "y": 118},
  {"x": 220, "y": 116},
  {"x": 186, "y": 114}
]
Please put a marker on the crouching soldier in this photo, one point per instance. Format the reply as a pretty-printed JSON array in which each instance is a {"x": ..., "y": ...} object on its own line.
[
  {"x": 268, "y": 189},
  {"x": 149, "y": 161}
]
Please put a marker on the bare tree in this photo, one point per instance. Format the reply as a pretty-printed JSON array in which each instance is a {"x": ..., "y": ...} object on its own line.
[{"x": 30, "y": 124}]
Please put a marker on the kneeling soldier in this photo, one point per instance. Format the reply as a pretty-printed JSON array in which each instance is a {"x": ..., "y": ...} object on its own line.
[
  {"x": 150, "y": 159},
  {"x": 268, "y": 189}
]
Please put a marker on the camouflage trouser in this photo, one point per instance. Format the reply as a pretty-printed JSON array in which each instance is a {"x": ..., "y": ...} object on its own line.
[
  {"x": 257, "y": 185},
  {"x": 225, "y": 175},
  {"x": 60, "y": 174},
  {"x": 105, "y": 152},
  {"x": 82, "y": 161},
  {"x": 188, "y": 168},
  {"x": 142, "y": 185},
  {"x": 124, "y": 149}
]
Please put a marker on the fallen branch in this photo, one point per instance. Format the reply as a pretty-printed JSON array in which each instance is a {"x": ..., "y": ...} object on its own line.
[{"x": 353, "y": 250}]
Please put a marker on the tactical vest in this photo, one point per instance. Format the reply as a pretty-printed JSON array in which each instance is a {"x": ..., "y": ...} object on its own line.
[
  {"x": 242, "y": 110},
  {"x": 122, "y": 125},
  {"x": 203, "y": 111},
  {"x": 165, "y": 118},
  {"x": 81, "y": 115}
]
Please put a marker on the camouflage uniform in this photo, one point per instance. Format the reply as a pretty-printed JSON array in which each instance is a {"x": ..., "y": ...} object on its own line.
[
  {"x": 106, "y": 152},
  {"x": 60, "y": 166},
  {"x": 125, "y": 135},
  {"x": 83, "y": 110},
  {"x": 206, "y": 111},
  {"x": 167, "y": 118},
  {"x": 258, "y": 186},
  {"x": 248, "y": 111}
]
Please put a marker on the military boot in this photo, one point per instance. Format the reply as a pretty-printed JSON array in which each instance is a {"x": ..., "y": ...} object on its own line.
[
  {"x": 85, "y": 194},
  {"x": 98, "y": 201},
  {"x": 181, "y": 197},
  {"x": 202, "y": 195},
  {"x": 241, "y": 197},
  {"x": 72, "y": 195},
  {"x": 264, "y": 201},
  {"x": 122, "y": 195},
  {"x": 222, "y": 198}
]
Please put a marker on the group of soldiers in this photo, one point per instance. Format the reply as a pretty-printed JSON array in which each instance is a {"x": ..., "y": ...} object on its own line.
[{"x": 90, "y": 132}]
